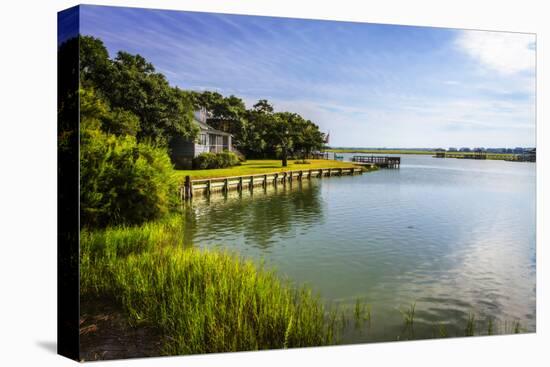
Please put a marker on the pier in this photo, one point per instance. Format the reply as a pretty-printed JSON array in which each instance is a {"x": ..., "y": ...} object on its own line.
[
  {"x": 224, "y": 184},
  {"x": 375, "y": 160}
]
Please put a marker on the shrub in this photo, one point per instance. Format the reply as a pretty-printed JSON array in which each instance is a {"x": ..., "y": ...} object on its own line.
[
  {"x": 122, "y": 181},
  {"x": 215, "y": 160}
]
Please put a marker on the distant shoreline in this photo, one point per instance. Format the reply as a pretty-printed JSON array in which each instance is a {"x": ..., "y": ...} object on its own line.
[
  {"x": 380, "y": 151},
  {"x": 490, "y": 156}
]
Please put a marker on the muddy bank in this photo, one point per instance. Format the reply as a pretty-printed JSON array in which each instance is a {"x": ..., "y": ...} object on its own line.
[{"x": 105, "y": 333}]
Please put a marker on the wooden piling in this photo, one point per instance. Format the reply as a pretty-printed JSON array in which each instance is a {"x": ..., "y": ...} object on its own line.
[{"x": 225, "y": 184}]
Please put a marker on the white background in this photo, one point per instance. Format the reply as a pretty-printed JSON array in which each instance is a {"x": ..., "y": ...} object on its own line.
[{"x": 28, "y": 183}]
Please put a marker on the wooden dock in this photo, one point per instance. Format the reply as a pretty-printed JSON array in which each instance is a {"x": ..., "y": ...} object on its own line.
[
  {"x": 224, "y": 184},
  {"x": 376, "y": 160}
]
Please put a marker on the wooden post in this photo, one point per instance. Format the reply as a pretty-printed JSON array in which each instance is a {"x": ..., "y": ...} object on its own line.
[
  {"x": 251, "y": 183},
  {"x": 265, "y": 181},
  {"x": 187, "y": 186},
  {"x": 309, "y": 175},
  {"x": 320, "y": 173},
  {"x": 276, "y": 179},
  {"x": 240, "y": 186},
  {"x": 209, "y": 187},
  {"x": 329, "y": 172},
  {"x": 225, "y": 185}
]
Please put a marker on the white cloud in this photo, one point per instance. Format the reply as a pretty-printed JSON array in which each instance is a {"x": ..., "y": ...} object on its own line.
[{"x": 505, "y": 52}]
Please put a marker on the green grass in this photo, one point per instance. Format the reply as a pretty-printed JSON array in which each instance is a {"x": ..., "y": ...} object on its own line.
[
  {"x": 201, "y": 301},
  {"x": 252, "y": 167}
]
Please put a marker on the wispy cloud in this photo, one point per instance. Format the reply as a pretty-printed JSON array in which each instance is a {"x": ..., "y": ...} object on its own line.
[{"x": 505, "y": 52}]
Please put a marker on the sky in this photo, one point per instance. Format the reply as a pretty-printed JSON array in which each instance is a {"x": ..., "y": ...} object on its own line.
[{"x": 369, "y": 85}]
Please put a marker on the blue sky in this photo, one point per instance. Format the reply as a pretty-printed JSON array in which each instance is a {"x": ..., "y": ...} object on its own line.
[{"x": 370, "y": 85}]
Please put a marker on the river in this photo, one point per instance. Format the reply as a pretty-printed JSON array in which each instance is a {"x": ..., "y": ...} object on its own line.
[{"x": 455, "y": 237}]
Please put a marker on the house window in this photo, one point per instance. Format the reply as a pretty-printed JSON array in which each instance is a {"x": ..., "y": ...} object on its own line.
[{"x": 202, "y": 139}]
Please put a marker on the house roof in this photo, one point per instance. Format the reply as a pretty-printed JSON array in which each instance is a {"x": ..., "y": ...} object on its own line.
[{"x": 209, "y": 129}]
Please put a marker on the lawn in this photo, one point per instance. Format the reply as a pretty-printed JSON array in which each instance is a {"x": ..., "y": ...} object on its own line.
[{"x": 252, "y": 167}]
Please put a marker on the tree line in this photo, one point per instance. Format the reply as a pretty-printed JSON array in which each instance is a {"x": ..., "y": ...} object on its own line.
[{"x": 129, "y": 97}]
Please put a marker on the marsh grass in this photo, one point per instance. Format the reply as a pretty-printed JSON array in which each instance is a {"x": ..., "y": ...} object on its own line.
[
  {"x": 513, "y": 327},
  {"x": 362, "y": 313},
  {"x": 408, "y": 315},
  {"x": 202, "y": 301},
  {"x": 470, "y": 325},
  {"x": 442, "y": 331},
  {"x": 490, "y": 327},
  {"x": 517, "y": 327}
]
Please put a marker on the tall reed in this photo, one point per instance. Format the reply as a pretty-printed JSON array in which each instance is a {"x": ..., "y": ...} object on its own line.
[{"x": 202, "y": 301}]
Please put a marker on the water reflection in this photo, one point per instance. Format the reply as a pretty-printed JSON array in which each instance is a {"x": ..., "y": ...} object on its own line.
[{"x": 260, "y": 217}]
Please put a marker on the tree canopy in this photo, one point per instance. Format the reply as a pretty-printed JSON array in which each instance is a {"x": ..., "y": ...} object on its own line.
[{"x": 141, "y": 101}]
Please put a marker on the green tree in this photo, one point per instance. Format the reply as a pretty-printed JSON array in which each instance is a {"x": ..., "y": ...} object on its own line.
[
  {"x": 134, "y": 91},
  {"x": 308, "y": 138},
  {"x": 96, "y": 114},
  {"x": 282, "y": 133},
  {"x": 259, "y": 120},
  {"x": 95, "y": 66}
]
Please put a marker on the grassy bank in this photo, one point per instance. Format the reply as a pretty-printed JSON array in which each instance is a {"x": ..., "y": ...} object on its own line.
[
  {"x": 202, "y": 301},
  {"x": 261, "y": 166}
]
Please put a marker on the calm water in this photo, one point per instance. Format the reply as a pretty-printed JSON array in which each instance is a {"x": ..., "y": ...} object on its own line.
[{"x": 455, "y": 236}]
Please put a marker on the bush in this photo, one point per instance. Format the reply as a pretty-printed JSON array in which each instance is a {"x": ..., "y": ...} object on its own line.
[
  {"x": 122, "y": 181},
  {"x": 215, "y": 160}
]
